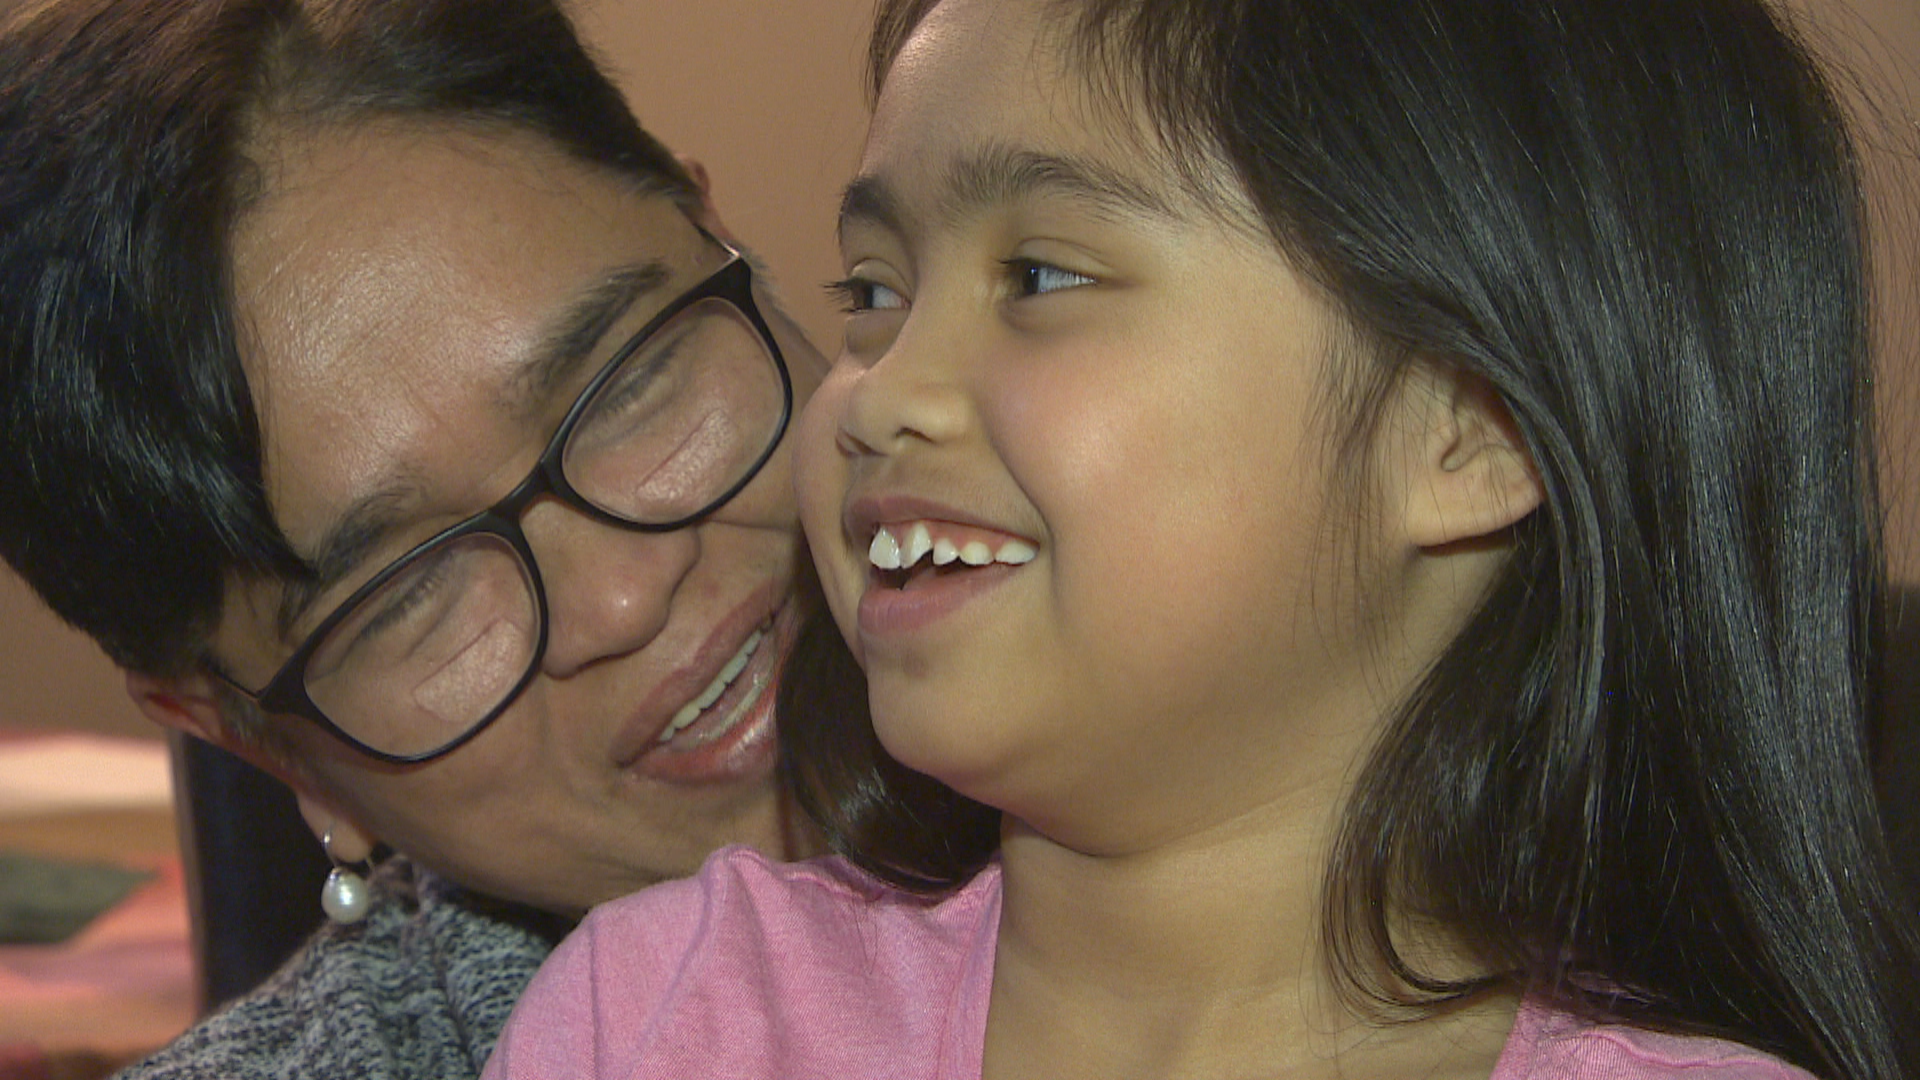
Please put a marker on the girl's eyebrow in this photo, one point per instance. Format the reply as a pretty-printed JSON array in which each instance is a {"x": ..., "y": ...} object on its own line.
[{"x": 998, "y": 175}]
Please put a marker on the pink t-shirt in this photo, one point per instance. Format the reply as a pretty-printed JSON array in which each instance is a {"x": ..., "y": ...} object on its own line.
[{"x": 755, "y": 969}]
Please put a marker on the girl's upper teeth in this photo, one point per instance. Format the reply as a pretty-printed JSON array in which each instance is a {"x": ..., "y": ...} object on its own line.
[{"x": 902, "y": 546}]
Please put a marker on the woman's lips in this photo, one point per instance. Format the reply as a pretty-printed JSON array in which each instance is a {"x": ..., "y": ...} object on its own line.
[
  {"x": 674, "y": 738},
  {"x": 701, "y": 707},
  {"x": 732, "y": 738}
]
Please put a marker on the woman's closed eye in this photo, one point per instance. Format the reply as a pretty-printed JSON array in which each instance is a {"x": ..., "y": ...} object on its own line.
[{"x": 404, "y": 602}]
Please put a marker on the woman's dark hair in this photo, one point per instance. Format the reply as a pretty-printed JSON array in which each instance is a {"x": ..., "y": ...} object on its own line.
[
  {"x": 1636, "y": 784},
  {"x": 130, "y": 453}
]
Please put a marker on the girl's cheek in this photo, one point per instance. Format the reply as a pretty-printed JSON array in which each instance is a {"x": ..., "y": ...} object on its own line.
[
  {"x": 820, "y": 483},
  {"x": 818, "y": 471}
]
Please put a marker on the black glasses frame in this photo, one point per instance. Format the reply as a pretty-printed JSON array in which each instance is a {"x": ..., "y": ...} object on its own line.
[{"x": 286, "y": 692}]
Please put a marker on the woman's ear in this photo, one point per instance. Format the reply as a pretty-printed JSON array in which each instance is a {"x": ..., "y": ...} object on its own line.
[
  {"x": 1467, "y": 473},
  {"x": 343, "y": 840},
  {"x": 705, "y": 215},
  {"x": 191, "y": 704},
  {"x": 185, "y": 704}
]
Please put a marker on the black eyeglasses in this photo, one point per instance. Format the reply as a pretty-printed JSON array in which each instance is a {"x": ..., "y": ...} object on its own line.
[{"x": 434, "y": 647}]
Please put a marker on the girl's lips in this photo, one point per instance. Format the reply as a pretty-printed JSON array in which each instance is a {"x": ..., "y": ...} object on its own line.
[
  {"x": 925, "y": 561},
  {"x": 904, "y": 545},
  {"x": 925, "y": 599},
  {"x": 864, "y": 516}
]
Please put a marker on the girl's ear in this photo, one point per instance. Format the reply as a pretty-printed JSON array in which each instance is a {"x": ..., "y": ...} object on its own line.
[{"x": 1467, "y": 473}]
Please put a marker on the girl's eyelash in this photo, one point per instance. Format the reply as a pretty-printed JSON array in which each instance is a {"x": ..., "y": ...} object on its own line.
[
  {"x": 854, "y": 294},
  {"x": 1029, "y": 276},
  {"x": 847, "y": 293}
]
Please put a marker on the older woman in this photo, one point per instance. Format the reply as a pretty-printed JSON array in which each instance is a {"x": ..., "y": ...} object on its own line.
[{"x": 399, "y": 413}]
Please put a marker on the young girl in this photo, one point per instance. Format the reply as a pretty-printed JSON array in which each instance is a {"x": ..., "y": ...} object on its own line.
[{"x": 1357, "y": 521}]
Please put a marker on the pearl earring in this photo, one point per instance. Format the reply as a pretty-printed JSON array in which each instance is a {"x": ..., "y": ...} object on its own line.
[{"x": 345, "y": 897}]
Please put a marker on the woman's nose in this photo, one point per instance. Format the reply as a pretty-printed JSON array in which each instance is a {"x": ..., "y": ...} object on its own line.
[
  {"x": 910, "y": 394},
  {"x": 609, "y": 590}
]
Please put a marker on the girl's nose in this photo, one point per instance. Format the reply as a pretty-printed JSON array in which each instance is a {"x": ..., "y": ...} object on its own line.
[
  {"x": 609, "y": 591},
  {"x": 912, "y": 394}
]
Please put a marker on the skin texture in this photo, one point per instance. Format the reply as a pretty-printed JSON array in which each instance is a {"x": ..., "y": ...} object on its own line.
[
  {"x": 1169, "y": 697},
  {"x": 391, "y": 285}
]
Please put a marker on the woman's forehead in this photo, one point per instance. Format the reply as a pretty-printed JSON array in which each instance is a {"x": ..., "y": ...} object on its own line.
[{"x": 392, "y": 285}]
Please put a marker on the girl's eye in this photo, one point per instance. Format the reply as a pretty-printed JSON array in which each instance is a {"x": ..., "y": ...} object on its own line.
[
  {"x": 857, "y": 295},
  {"x": 1032, "y": 278}
]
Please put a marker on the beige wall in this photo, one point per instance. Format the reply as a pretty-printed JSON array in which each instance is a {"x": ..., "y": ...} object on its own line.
[
  {"x": 1881, "y": 38},
  {"x": 767, "y": 94},
  {"x": 769, "y": 97},
  {"x": 51, "y": 676}
]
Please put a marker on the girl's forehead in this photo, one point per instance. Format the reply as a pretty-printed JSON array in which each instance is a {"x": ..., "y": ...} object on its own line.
[
  {"x": 988, "y": 94},
  {"x": 994, "y": 67}
]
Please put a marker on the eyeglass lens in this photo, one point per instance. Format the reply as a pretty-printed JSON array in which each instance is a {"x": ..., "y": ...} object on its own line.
[
  {"x": 447, "y": 640},
  {"x": 680, "y": 421}
]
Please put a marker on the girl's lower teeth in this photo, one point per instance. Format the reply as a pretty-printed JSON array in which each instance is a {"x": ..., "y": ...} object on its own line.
[{"x": 905, "y": 579}]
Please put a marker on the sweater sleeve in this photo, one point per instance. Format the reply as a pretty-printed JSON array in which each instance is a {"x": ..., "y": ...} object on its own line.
[{"x": 417, "y": 991}]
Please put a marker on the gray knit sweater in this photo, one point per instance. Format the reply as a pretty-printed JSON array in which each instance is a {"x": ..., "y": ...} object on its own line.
[{"x": 418, "y": 991}]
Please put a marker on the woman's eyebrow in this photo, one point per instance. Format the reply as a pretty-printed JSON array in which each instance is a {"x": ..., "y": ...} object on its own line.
[
  {"x": 999, "y": 175},
  {"x": 362, "y": 529},
  {"x": 568, "y": 338}
]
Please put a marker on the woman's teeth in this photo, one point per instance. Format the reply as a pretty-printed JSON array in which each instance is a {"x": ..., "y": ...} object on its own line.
[
  {"x": 691, "y": 710},
  {"x": 889, "y": 551}
]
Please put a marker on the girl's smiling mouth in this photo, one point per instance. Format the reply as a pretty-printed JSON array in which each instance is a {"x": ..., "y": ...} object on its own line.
[
  {"x": 923, "y": 569},
  {"x": 905, "y": 551}
]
